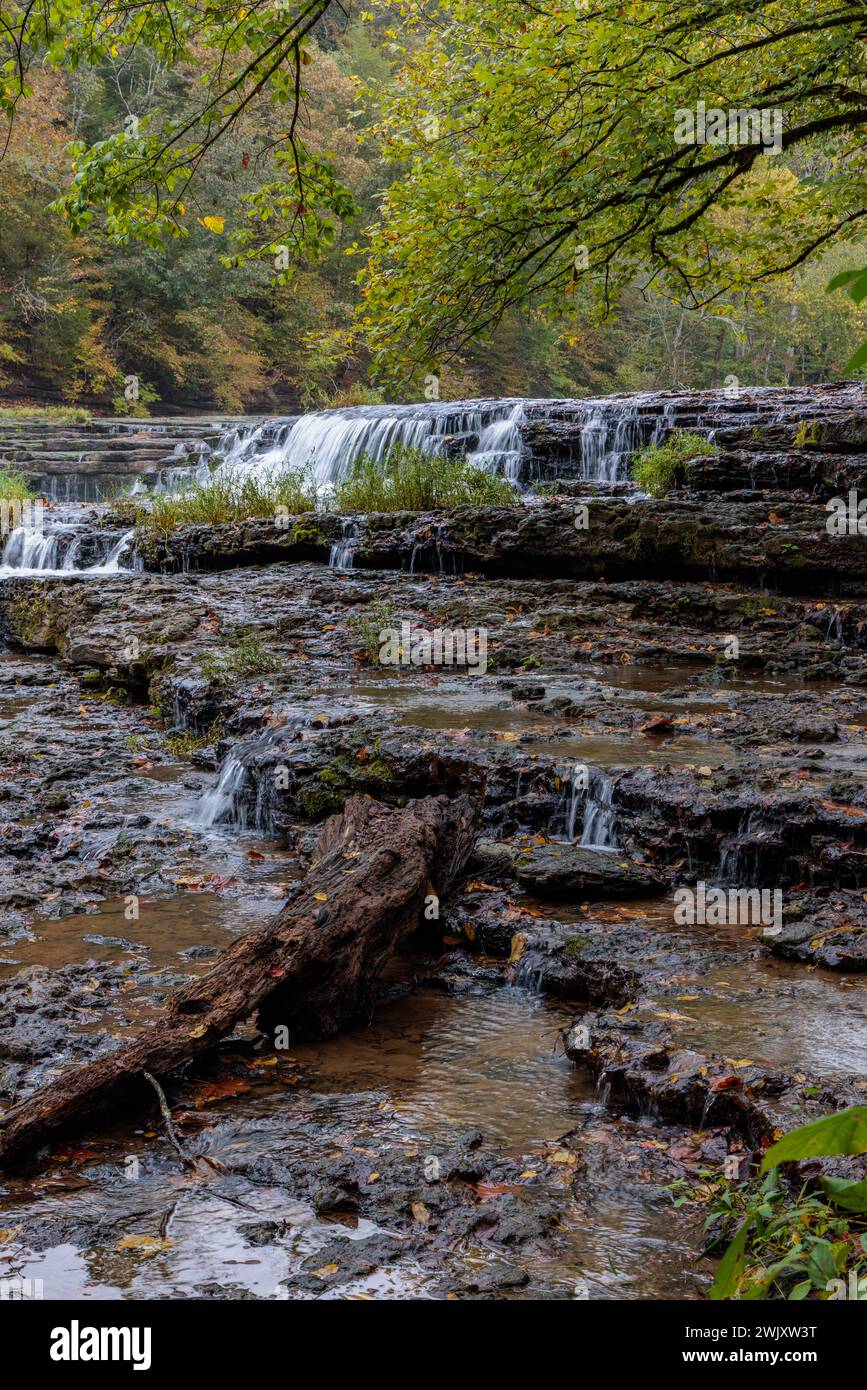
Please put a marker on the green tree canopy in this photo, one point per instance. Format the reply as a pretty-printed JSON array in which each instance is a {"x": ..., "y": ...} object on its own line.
[{"x": 540, "y": 152}]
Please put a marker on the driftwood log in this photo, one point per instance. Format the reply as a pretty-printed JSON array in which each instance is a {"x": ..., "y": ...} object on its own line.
[{"x": 314, "y": 969}]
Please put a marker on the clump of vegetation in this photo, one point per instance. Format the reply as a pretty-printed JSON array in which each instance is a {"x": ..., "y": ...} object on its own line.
[
  {"x": 246, "y": 656},
  {"x": 357, "y": 394},
  {"x": 792, "y": 1243},
  {"x": 660, "y": 467},
  {"x": 226, "y": 497},
  {"x": 185, "y": 744},
  {"x": 370, "y": 622},
  {"x": 58, "y": 414},
  {"x": 14, "y": 486},
  {"x": 410, "y": 480}
]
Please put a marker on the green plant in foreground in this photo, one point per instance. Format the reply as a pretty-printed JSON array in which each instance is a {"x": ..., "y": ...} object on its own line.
[
  {"x": 247, "y": 656},
  {"x": 370, "y": 622},
  {"x": 410, "y": 480},
  {"x": 14, "y": 486},
  {"x": 793, "y": 1247},
  {"x": 660, "y": 467}
]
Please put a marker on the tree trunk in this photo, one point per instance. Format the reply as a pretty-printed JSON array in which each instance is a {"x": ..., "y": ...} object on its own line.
[{"x": 314, "y": 969}]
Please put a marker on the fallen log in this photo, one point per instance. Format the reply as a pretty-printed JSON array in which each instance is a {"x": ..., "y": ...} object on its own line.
[{"x": 313, "y": 970}]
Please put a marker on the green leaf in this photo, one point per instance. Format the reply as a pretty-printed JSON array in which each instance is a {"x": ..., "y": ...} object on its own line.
[
  {"x": 731, "y": 1266},
  {"x": 858, "y": 360},
  {"x": 843, "y": 1133},
  {"x": 845, "y": 278},
  {"x": 852, "y": 1196}
]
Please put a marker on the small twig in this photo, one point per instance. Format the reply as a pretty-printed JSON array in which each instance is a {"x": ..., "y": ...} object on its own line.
[{"x": 167, "y": 1116}]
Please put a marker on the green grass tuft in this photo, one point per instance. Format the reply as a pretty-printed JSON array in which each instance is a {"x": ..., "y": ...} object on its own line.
[
  {"x": 226, "y": 498},
  {"x": 57, "y": 414},
  {"x": 14, "y": 486},
  {"x": 412, "y": 481}
]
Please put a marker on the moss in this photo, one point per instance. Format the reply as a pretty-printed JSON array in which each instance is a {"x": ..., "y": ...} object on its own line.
[
  {"x": 186, "y": 744},
  {"x": 307, "y": 534},
  {"x": 574, "y": 947},
  {"x": 806, "y": 433},
  {"x": 27, "y": 615},
  {"x": 315, "y": 802}
]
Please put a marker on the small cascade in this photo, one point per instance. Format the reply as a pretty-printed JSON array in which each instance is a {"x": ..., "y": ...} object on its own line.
[
  {"x": 501, "y": 446},
  {"x": 588, "y": 801},
  {"x": 29, "y": 549},
  {"x": 242, "y": 794},
  {"x": 577, "y": 794},
  {"x": 343, "y": 550},
  {"x": 111, "y": 564},
  {"x": 744, "y": 856},
  {"x": 612, "y": 431},
  {"x": 222, "y": 803},
  {"x": 61, "y": 551},
  {"x": 599, "y": 817}
]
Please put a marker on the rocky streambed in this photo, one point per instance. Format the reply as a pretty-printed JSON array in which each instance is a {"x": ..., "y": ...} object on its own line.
[{"x": 674, "y": 695}]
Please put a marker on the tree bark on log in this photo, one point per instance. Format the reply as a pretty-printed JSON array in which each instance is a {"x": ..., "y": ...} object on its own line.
[{"x": 314, "y": 969}]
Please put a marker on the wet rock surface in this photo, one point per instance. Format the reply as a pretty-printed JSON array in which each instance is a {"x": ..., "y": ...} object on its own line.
[{"x": 566, "y": 1040}]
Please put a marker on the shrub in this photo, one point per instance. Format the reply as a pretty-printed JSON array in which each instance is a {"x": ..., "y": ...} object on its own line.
[
  {"x": 660, "y": 467},
  {"x": 246, "y": 656}
]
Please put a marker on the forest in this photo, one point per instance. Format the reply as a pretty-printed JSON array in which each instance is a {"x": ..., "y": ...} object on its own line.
[{"x": 83, "y": 307}]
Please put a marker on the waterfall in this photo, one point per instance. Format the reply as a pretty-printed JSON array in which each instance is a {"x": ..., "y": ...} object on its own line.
[
  {"x": 243, "y": 791},
  {"x": 598, "y": 830},
  {"x": 328, "y": 441},
  {"x": 501, "y": 445},
  {"x": 223, "y": 801},
  {"x": 342, "y": 551},
  {"x": 30, "y": 551},
  {"x": 590, "y": 796},
  {"x": 111, "y": 564}
]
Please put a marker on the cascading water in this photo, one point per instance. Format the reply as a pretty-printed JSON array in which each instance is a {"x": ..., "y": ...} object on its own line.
[
  {"x": 239, "y": 797},
  {"x": 220, "y": 804},
  {"x": 590, "y": 797},
  {"x": 30, "y": 549},
  {"x": 33, "y": 551},
  {"x": 501, "y": 445},
  {"x": 328, "y": 441},
  {"x": 343, "y": 550},
  {"x": 599, "y": 818}
]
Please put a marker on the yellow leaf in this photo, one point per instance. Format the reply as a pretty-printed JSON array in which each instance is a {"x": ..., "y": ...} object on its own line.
[
  {"x": 213, "y": 224},
  {"x": 326, "y": 1271},
  {"x": 321, "y": 897},
  {"x": 198, "y": 1032},
  {"x": 147, "y": 1245},
  {"x": 518, "y": 944}
]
